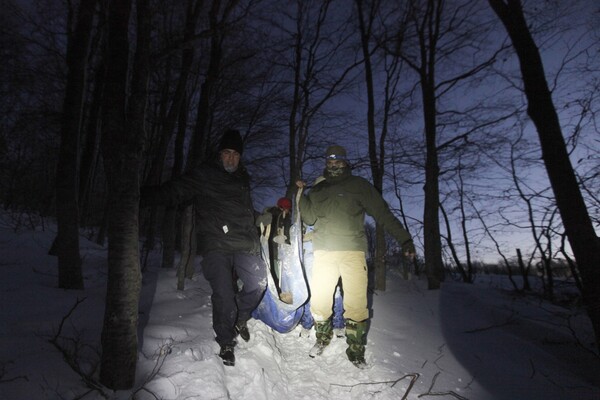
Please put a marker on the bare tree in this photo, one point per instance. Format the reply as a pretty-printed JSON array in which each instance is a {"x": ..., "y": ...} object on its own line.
[
  {"x": 367, "y": 14},
  {"x": 315, "y": 61},
  {"x": 431, "y": 33},
  {"x": 365, "y": 24},
  {"x": 578, "y": 225},
  {"x": 89, "y": 170}
]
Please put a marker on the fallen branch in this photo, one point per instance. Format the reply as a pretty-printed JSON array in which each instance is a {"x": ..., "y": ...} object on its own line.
[
  {"x": 414, "y": 376},
  {"x": 449, "y": 393},
  {"x": 163, "y": 352},
  {"x": 72, "y": 354}
]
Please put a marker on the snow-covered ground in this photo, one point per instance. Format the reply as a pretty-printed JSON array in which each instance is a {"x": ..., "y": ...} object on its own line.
[{"x": 476, "y": 342}]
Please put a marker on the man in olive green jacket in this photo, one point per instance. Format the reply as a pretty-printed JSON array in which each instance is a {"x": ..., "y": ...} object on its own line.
[{"x": 336, "y": 207}]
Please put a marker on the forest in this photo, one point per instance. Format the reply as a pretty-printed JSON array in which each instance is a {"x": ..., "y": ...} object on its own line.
[{"x": 478, "y": 122}]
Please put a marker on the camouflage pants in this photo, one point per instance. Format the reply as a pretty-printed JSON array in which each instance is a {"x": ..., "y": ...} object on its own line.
[{"x": 356, "y": 337}]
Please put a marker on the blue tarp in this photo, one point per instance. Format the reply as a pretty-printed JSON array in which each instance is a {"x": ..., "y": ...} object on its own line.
[{"x": 279, "y": 315}]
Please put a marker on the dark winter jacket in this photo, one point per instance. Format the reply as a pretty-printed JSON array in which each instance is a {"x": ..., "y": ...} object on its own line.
[
  {"x": 337, "y": 206},
  {"x": 223, "y": 206}
]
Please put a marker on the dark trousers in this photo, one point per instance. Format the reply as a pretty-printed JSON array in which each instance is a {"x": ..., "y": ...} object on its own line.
[{"x": 229, "y": 305}]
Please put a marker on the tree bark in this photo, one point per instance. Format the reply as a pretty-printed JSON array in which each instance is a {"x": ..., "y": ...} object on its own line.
[
  {"x": 459, "y": 266},
  {"x": 427, "y": 31},
  {"x": 216, "y": 26},
  {"x": 578, "y": 226},
  {"x": 67, "y": 173},
  {"x": 169, "y": 223},
  {"x": 187, "y": 59},
  {"x": 122, "y": 140},
  {"x": 91, "y": 148},
  {"x": 434, "y": 269},
  {"x": 524, "y": 271}
]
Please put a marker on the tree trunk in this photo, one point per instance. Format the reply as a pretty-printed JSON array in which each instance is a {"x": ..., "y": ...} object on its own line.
[
  {"x": 379, "y": 258},
  {"x": 187, "y": 59},
  {"x": 428, "y": 34},
  {"x": 578, "y": 226},
  {"x": 198, "y": 141},
  {"x": 376, "y": 162},
  {"x": 122, "y": 140},
  {"x": 67, "y": 174},
  {"x": 434, "y": 269},
  {"x": 188, "y": 247},
  {"x": 459, "y": 266},
  {"x": 91, "y": 148},
  {"x": 524, "y": 272},
  {"x": 169, "y": 224}
]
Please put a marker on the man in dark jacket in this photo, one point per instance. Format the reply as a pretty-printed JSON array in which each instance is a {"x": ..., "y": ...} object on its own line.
[
  {"x": 336, "y": 208},
  {"x": 228, "y": 237}
]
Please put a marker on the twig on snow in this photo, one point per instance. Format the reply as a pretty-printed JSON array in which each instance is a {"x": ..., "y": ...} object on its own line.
[
  {"x": 163, "y": 352},
  {"x": 449, "y": 393},
  {"x": 414, "y": 376},
  {"x": 72, "y": 355}
]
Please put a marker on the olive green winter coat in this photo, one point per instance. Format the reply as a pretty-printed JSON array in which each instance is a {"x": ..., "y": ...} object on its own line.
[{"x": 337, "y": 206}]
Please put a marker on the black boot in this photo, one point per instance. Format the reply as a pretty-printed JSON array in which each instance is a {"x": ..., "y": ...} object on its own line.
[
  {"x": 242, "y": 329},
  {"x": 227, "y": 354}
]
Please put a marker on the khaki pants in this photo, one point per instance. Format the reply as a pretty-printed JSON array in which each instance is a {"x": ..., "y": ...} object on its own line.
[{"x": 328, "y": 267}]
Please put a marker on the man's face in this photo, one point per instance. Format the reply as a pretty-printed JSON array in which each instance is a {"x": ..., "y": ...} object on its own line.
[
  {"x": 230, "y": 159},
  {"x": 335, "y": 164},
  {"x": 335, "y": 167}
]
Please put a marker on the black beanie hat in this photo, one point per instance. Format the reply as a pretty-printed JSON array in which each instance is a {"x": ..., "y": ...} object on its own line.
[
  {"x": 232, "y": 140},
  {"x": 335, "y": 152}
]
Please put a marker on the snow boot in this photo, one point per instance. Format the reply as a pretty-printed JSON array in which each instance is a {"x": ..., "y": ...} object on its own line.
[
  {"x": 304, "y": 332},
  {"x": 324, "y": 333},
  {"x": 227, "y": 354},
  {"x": 356, "y": 338},
  {"x": 242, "y": 329}
]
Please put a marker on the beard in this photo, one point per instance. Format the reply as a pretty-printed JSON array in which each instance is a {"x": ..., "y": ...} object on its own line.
[
  {"x": 333, "y": 172},
  {"x": 230, "y": 168}
]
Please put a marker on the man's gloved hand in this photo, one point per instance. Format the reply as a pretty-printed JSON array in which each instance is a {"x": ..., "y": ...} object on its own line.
[
  {"x": 265, "y": 218},
  {"x": 280, "y": 239},
  {"x": 408, "y": 249}
]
